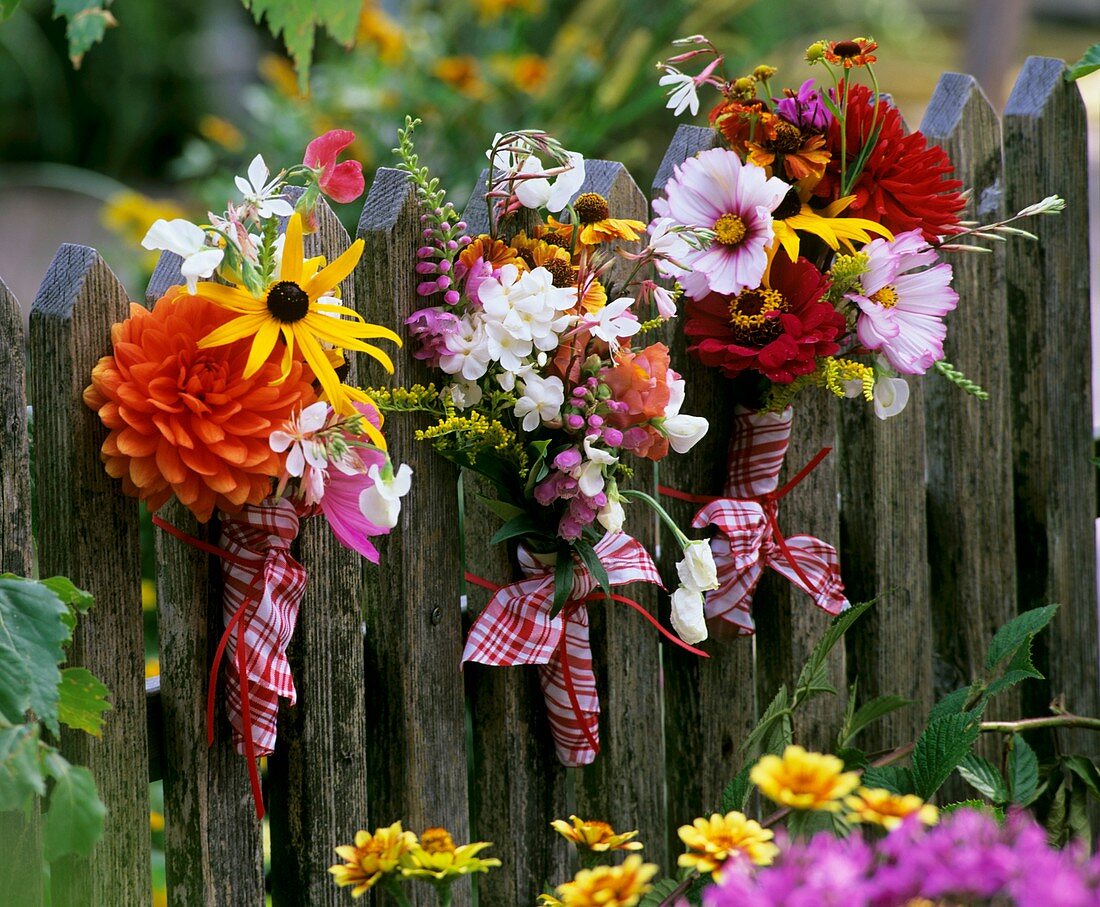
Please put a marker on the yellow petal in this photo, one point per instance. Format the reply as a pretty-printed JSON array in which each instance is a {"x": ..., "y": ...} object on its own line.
[
  {"x": 323, "y": 371},
  {"x": 345, "y": 333},
  {"x": 328, "y": 278},
  {"x": 288, "y": 355},
  {"x": 293, "y": 251},
  {"x": 232, "y": 298},
  {"x": 788, "y": 238},
  {"x": 332, "y": 308},
  {"x": 242, "y": 326},
  {"x": 262, "y": 345}
]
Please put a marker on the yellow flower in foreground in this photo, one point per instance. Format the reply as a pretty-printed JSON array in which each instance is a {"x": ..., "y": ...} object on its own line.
[
  {"x": 606, "y": 886},
  {"x": 804, "y": 780},
  {"x": 876, "y": 806},
  {"x": 300, "y": 307},
  {"x": 437, "y": 858},
  {"x": 595, "y": 835},
  {"x": 712, "y": 841},
  {"x": 825, "y": 223},
  {"x": 371, "y": 857}
]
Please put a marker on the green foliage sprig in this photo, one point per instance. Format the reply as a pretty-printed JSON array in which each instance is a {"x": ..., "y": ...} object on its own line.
[{"x": 952, "y": 374}]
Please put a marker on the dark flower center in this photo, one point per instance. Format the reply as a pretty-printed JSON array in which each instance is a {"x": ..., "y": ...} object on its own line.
[
  {"x": 561, "y": 271},
  {"x": 847, "y": 49},
  {"x": 789, "y": 207},
  {"x": 754, "y": 315},
  {"x": 591, "y": 207},
  {"x": 788, "y": 138},
  {"x": 287, "y": 302}
]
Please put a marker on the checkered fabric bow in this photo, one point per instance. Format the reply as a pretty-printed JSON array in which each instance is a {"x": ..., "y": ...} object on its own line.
[
  {"x": 516, "y": 629},
  {"x": 748, "y": 538}
]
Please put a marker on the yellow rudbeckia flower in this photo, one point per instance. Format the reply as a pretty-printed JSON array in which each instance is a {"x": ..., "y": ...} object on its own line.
[
  {"x": 826, "y": 224},
  {"x": 300, "y": 307}
]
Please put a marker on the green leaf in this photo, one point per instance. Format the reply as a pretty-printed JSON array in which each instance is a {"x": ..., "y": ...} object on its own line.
[
  {"x": 563, "y": 580},
  {"x": 814, "y": 665},
  {"x": 1016, "y": 633},
  {"x": 83, "y": 700},
  {"x": 298, "y": 20},
  {"x": 1077, "y": 819},
  {"x": 940, "y": 748},
  {"x": 872, "y": 711},
  {"x": 524, "y": 524},
  {"x": 1085, "y": 769},
  {"x": 77, "y": 599},
  {"x": 31, "y": 635},
  {"x": 659, "y": 893},
  {"x": 895, "y": 778},
  {"x": 74, "y": 820},
  {"x": 86, "y": 22},
  {"x": 852, "y": 758},
  {"x": 773, "y": 731},
  {"x": 1023, "y": 772},
  {"x": 980, "y": 805},
  {"x": 7, "y": 7},
  {"x": 736, "y": 793},
  {"x": 951, "y": 704},
  {"x": 1088, "y": 63},
  {"x": 20, "y": 769},
  {"x": 984, "y": 777},
  {"x": 502, "y": 509},
  {"x": 595, "y": 567}
]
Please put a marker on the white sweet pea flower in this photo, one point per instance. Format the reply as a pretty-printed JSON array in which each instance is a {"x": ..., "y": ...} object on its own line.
[
  {"x": 697, "y": 570},
  {"x": 688, "y": 617},
  {"x": 589, "y": 472},
  {"x": 596, "y": 454},
  {"x": 541, "y": 401},
  {"x": 261, "y": 194},
  {"x": 539, "y": 192},
  {"x": 380, "y": 504},
  {"x": 682, "y": 94},
  {"x": 890, "y": 396},
  {"x": 612, "y": 515},
  {"x": 188, "y": 241},
  {"x": 614, "y": 321},
  {"x": 683, "y": 431}
]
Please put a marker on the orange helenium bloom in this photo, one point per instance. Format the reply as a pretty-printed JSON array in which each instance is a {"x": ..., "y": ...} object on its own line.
[{"x": 185, "y": 421}]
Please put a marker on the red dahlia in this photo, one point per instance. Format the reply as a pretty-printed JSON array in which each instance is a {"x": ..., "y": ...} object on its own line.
[
  {"x": 905, "y": 183},
  {"x": 778, "y": 329}
]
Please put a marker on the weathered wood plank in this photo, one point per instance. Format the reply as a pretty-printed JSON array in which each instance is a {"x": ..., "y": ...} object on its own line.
[
  {"x": 317, "y": 775},
  {"x": 1048, "y": 303},
  {"x": 213, "y": 853},
  {"x": 521, "y": 785},
  {"x": 624, "y": 785},
  {"x": 710, "y": 704},
  {"x": 416, "y": 752},
  {"x": 971, "y": 534},
  {"x": 20, "y": 836},
  {"x": 89, "y": 532}
]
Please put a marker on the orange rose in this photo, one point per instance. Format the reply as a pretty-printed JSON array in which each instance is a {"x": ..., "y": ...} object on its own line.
[
  {"x": 640, "y": 380},
  {"x": 184, "y": 421}
]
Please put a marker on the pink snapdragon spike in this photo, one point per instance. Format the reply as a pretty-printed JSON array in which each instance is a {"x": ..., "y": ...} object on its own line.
[
  {"x": 341, "y": 182},
  {"x": 715, "y": 191},
  {"x": 901, "y": 310}
]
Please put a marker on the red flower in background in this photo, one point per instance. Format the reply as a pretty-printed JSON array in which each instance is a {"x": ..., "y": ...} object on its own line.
[
  {"x": 778, "y": 329},
  {"x": 341, "y": 182},
  {"x": 905, "y": 183}
]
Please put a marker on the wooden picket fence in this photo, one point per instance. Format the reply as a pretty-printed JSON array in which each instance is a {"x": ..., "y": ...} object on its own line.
[{"x": 956, "y": 513}]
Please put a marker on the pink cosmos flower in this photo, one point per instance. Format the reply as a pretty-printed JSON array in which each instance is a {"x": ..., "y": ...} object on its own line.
[
  {"x": 902, "y": 310},
  {"x": 715, "y": 191},
  {"x": 341, "y": 182}
]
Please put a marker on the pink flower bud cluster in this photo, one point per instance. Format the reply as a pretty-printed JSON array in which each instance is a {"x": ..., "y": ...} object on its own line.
[{"x": 444, "y": 237}]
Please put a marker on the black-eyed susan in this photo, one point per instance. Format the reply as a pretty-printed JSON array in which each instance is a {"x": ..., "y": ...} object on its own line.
[
  {"x": 802, "y": 780},
  {"x": 371, "y": 858},
  {"x": 300, "y": 306},
  {"x": 595, "y": 222},
  {"x": 710, "y": 842},
  {"x": 794, "y": 215},
  {"x": 595, "y": 835},
  {"x": 875, "y": 806}
]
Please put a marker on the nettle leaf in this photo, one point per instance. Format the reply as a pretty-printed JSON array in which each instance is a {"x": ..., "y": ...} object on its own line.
[
  {"x": 895, "y": 778},
  {"x": 659, "y": 893},
  {"x": 32, "y": 632},
  {"x": 83, "y": 700},
  {"x": 1085, "y": 769},
  {"x": 872, "y": 711},
  {"x": 940, "y": 748},
  {"x": 74, "y": 820},
  {"x": 1088, "y": 63},
  {"x": 773, "y": 731},
  {"x": 980, "y": 805},
  {"x": 984, "y": 777},
  {"x": 297, "y": 21},
  {"x": 20, "y": 769},
  {"x": 736, "y": 793},
  {"x": 7, "y": 7},
  {"x": 1017, "y": 633},
  {"x": 86, "y": 22},
  {"x": 814, "y": 665},
  {"x": 1023, "y": 772},
  {"x": 951, "y": 704}
]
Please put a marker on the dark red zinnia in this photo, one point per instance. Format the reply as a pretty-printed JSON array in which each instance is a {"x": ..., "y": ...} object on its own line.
[
  {"x": 905, "y": 184},
  {"x": 778, "y": 330}
]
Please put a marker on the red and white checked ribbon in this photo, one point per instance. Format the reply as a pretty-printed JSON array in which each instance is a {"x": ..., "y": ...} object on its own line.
[
  {"x": 748, "y": 538},
  {"x": 516, "y": 629},
  {"x": 263, "y": 588}
]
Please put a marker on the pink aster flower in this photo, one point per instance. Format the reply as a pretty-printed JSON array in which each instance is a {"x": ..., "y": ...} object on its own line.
[
  {"x": 715, "y": 191},
  {"x": 902, "y": 309},
  {"x": 341, "y": 182}
]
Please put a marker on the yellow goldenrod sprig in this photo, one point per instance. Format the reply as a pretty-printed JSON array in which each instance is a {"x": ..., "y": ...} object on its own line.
[
  {"x": 650, "y": 325},
  {"x": 845, "y": 274},
  {"x": 832, "y": 374},
  {"x": 467, "y": 437},
  {"x": 418, "y": 398}
]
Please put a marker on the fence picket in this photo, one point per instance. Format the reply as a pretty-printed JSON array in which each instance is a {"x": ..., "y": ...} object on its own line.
[
  {"x": 89, "y": 532},
  {"x": 1048, "y": 303},
  {"x": 416, "y": 753},
  {"x": 210, "y": 822},
  {"x": 710, "y": 704},
  {"x": 317, "y": 783},
  {"x": 20, "y": 836},
  {"x": 971, "y": 533}
]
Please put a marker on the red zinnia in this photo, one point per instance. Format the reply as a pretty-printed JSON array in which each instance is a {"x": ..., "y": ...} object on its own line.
[
  {"x": 905, "y": 183},
  {"x": 778, "y": 330}
]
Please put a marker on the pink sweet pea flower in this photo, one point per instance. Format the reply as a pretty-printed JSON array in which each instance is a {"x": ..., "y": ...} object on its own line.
[{"x": 341, "y": 182}]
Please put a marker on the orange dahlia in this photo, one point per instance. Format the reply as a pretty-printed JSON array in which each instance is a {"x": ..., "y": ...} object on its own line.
[{"x": 185, "y": 421}]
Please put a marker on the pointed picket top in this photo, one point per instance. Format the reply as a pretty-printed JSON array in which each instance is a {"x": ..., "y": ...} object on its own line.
[
  {"x": 89, "y": 532},
  {"x": 1040, "y": 88},
  {"x": 687, "y": 142}
]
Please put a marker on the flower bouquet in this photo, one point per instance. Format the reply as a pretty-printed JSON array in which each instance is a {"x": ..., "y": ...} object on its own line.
[
  {"x": 824, "y": 223},
  {"x": 226, "y": 396},
  {"x": 546, "y": 386}
]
